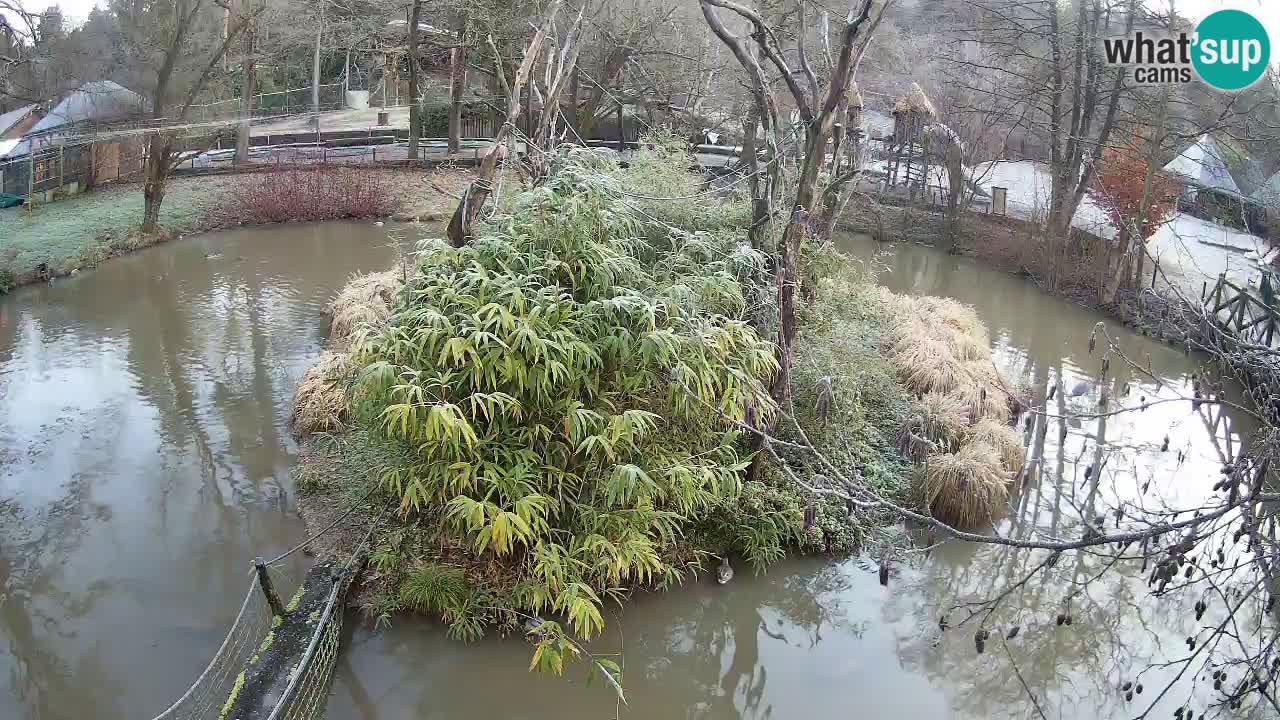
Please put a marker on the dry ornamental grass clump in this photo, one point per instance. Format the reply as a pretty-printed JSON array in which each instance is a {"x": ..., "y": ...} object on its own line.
[
  {"x": 1005, "y": 440},
  {"x": 939, "y": 350},
  {"x": 365, "y": 300},
  {"x": 320, "y": 403},
  {"x": 967, "y": 488}
]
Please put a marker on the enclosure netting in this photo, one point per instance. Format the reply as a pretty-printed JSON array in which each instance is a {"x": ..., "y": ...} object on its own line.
[
  {"x": 306, "y": 694},
  {"x": 308, "y": 691}
]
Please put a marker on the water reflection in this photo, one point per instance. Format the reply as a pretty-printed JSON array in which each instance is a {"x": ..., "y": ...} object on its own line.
[
  {"x": 806, "y": 640},
  {"x": 823, "y": 639},
  {"x": 1167, "y": 455},
  {"x": 144, "y": 460}
]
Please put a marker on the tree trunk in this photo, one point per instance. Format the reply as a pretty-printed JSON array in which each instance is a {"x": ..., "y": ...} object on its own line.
[
  {"x": 955, "y": 181},
  {"x": 457, "y": 80},
  {"x": 415, "y": 107},
  {"x": 575, "y": 88},
  {"x": 158, "y": 149},
  {"x": 1127, "y": 248},
  {"x": 473, "y": 199},
  {"x": 557, "y": 70},
  {"x": 851, "y": 139},
  {"x": 785, "y": 276},
  {"x": 612, "y": 74},
  {"x": 758, "y": 231},
  {"x": 249, "y": 67}
]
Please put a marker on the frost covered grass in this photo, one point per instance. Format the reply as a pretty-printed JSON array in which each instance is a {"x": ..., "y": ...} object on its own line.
[{"x": 80, "y": 232}]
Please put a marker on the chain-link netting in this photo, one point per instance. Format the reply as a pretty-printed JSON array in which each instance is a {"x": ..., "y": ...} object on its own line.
[
  {"x": 208, "y": 694},
  {"x": 307, "y": 694}
]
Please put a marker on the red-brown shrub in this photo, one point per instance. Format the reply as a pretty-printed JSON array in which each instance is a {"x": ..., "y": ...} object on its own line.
[{"x": 322, "y": 192}]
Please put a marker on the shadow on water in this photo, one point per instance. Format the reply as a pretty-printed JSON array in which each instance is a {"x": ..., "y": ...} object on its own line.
[
  {"x": 816, "y": 638},
  {"x": 144, "y": 457}
]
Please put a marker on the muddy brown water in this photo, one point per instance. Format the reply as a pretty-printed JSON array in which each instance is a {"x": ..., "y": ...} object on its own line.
[{"x": 144, "y": 461}]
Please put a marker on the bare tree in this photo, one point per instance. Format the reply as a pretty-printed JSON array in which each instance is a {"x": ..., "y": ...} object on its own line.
[
  {"x": 457, "y": 83},
  {"x": 248, "y": 83},
  {"x": 176, "y": 49},
  {"x": 477, "y": 193},
  {"x": 818, "y": 112},
  {"x": 18, "y": 35},
  {"x": 415, "y": 68}
]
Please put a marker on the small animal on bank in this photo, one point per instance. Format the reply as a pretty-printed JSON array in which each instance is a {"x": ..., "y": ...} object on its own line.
[{"x": 724, "y": 573}]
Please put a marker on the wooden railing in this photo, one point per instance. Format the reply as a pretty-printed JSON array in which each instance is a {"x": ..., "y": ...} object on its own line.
[{"x": 1250, "y": 317}]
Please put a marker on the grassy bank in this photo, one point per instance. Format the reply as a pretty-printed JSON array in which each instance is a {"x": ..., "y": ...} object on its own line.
[
  {"x": 551, "y": 417},
  {"x": 79, "y": 233}
]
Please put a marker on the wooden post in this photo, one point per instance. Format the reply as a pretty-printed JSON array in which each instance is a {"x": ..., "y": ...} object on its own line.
[
  {"x": 264, "y": 581},
  {"x": 1155, "y": 268},
  {"x": 622, "y": 131},
  {"x": 1217, "y": 294}
]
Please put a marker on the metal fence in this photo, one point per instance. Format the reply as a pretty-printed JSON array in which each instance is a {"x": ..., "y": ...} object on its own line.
[
  {"x": 56, "y": 171},
  {"x": 210, "y": 692},
  {"x": 267, "y": 105}
]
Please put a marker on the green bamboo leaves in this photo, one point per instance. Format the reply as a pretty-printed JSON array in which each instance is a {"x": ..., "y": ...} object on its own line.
[{"x": 560, "y": 387}]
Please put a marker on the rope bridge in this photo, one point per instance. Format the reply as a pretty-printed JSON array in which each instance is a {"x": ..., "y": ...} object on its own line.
[{"x": 277, "y": 659}]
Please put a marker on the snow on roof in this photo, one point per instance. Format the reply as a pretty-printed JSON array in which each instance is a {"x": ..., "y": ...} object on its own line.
[
  {"x": 1202, "y": 164},
  {"x": 13, "y": 117},
  {"x": 1192, "y": 251},
  {"x": 1029, "y": 184},
  {"x": 8, "y": 145},
  {"x": 98, "y": 100}
]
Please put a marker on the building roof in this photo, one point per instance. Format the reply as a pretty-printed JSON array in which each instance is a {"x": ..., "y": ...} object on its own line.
[
  {"x": 13, "y": 117},
  {"x": 97, "y": 100},
  {"x": 914, "y": 101},
  {"x": 1268, "y": 193},
  {"x": 7, "y": 146},
  {"x": 1202, "y": 165}
]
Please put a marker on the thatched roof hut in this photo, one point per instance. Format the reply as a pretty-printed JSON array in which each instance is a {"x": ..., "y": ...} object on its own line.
[{"x": 915, "y": 101}]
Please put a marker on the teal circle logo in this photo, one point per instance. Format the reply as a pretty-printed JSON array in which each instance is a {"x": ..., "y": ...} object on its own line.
[{"x": 1231, "y": 50}]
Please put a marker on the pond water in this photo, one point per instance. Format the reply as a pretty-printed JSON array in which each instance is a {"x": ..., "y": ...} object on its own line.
[
  {"x": 144, "y": 461},
  {"x": 144, "y": 458}
]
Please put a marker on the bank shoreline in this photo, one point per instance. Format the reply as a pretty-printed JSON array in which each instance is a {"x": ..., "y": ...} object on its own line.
[{"x": 192, "y": 208}]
